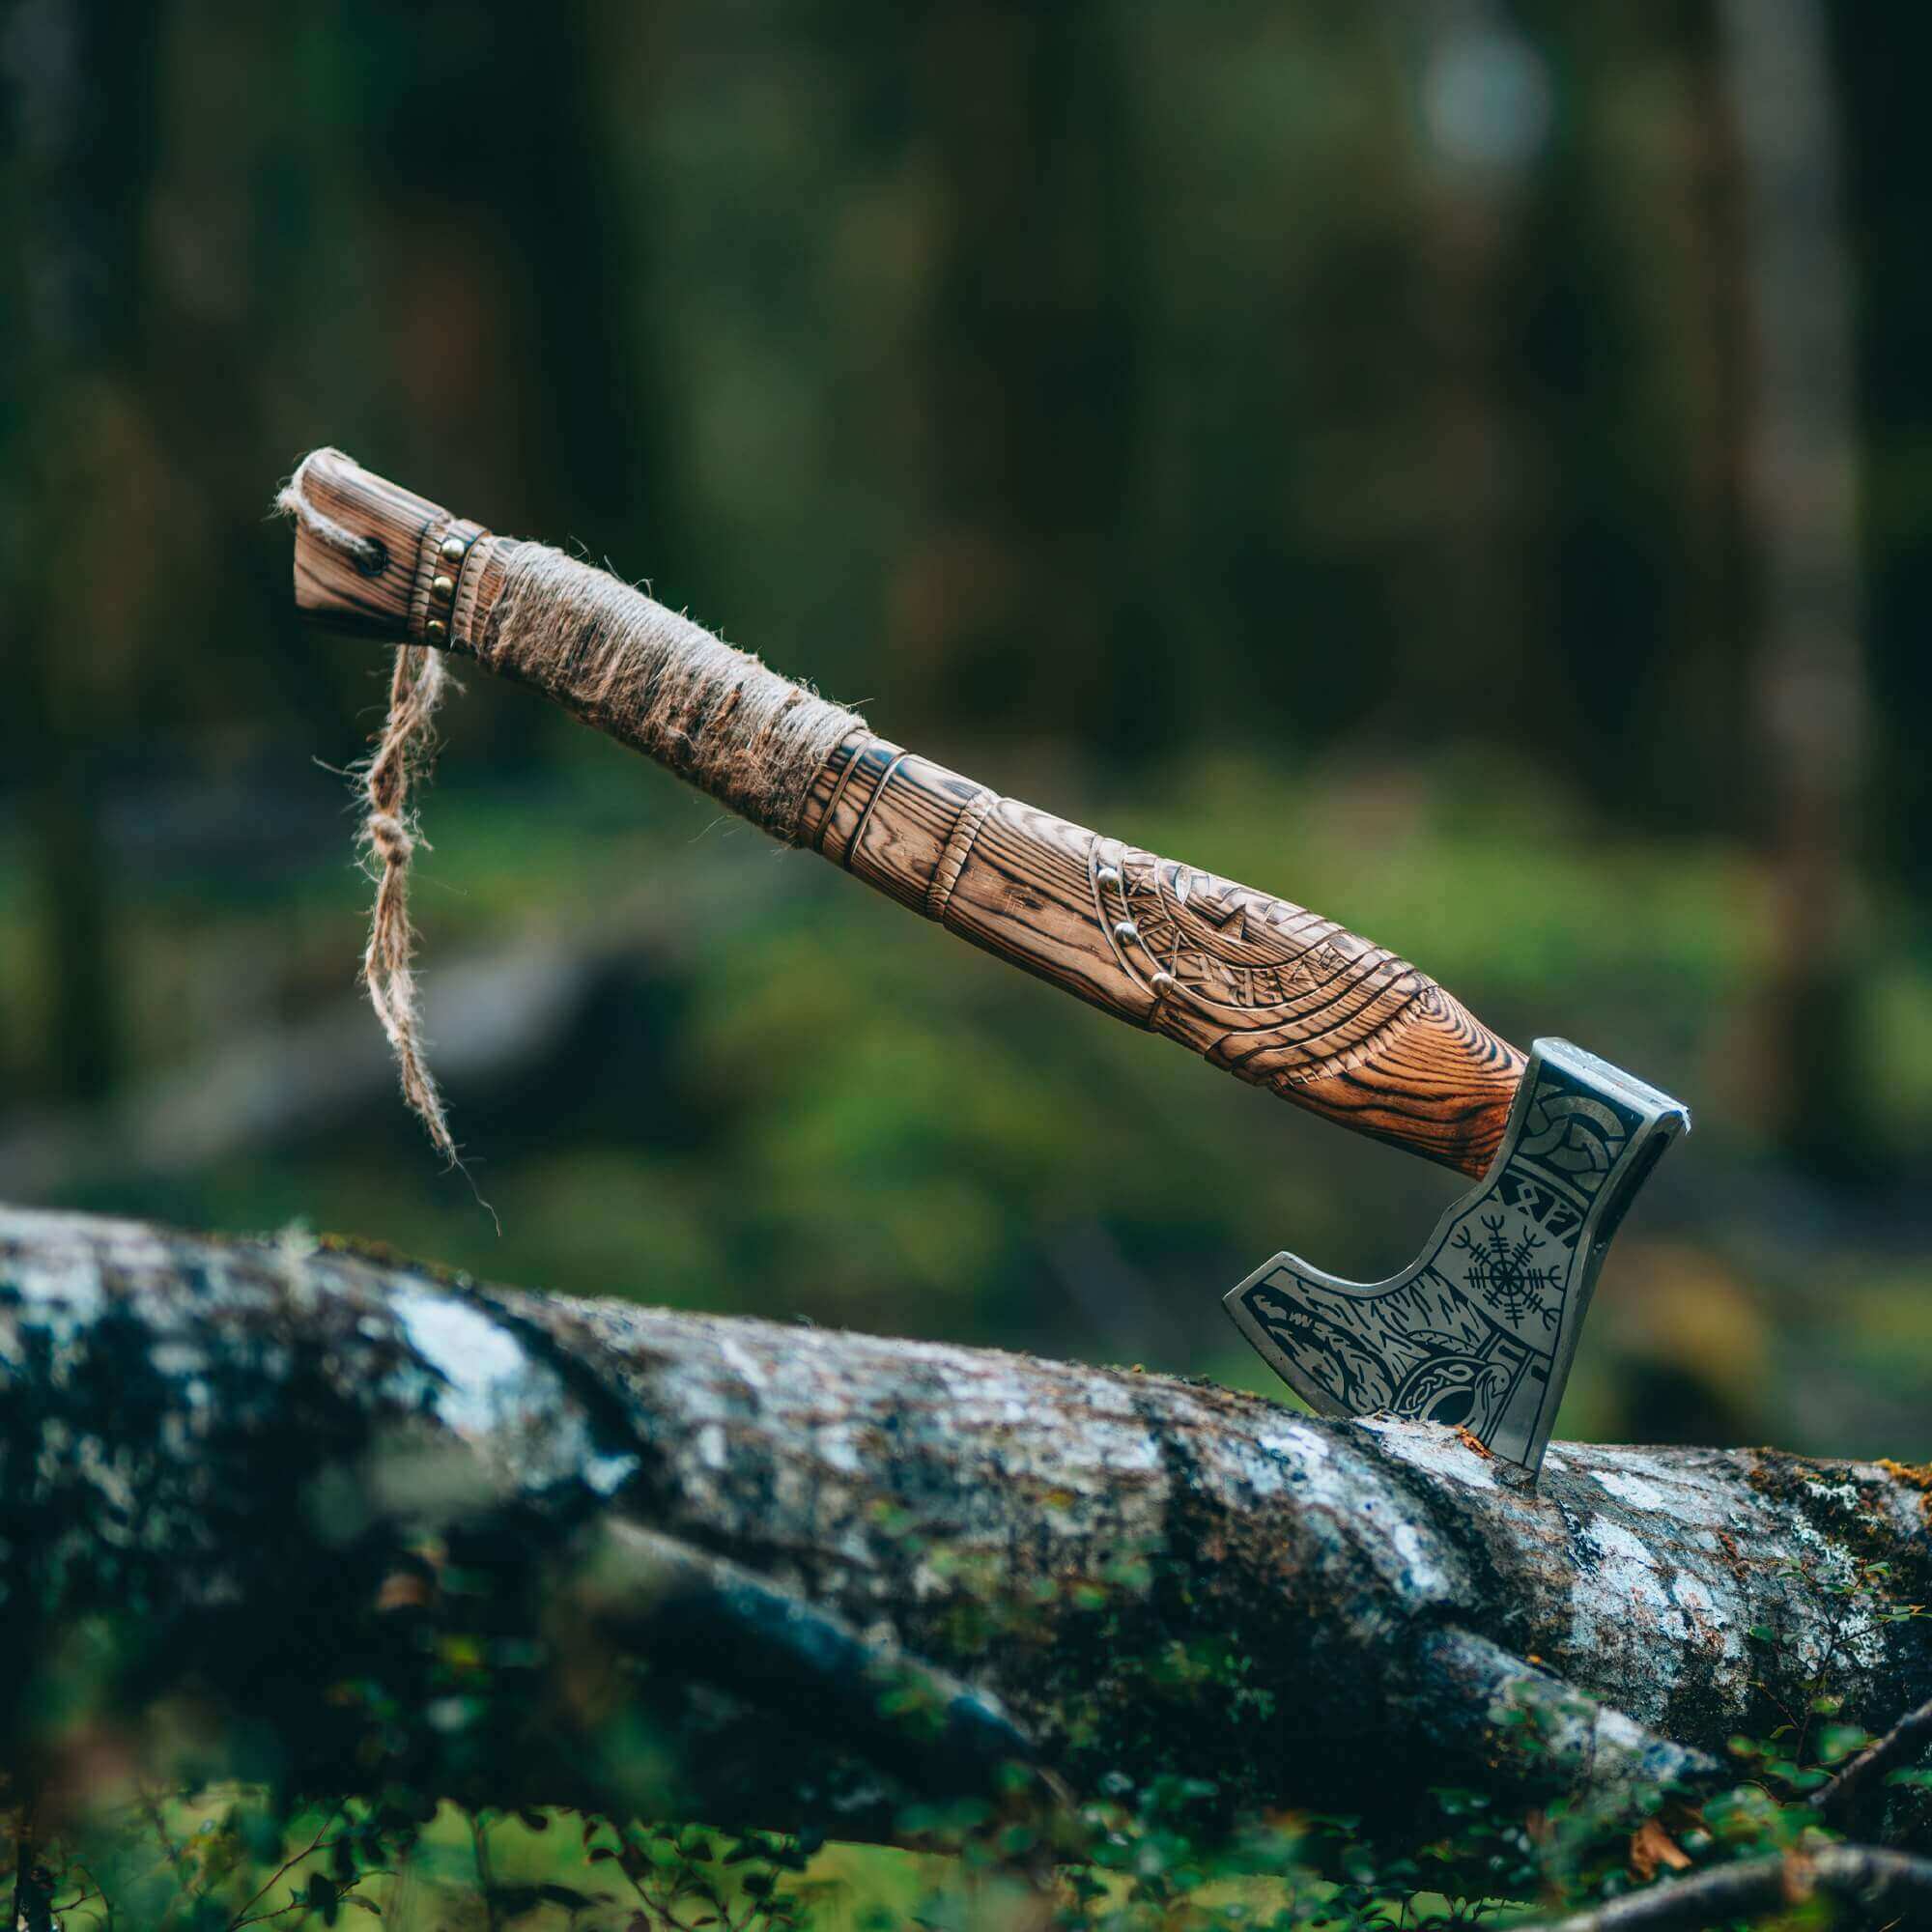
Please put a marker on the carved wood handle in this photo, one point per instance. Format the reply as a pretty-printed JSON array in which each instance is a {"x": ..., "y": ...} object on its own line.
[{"x": 1274, "y": 993}]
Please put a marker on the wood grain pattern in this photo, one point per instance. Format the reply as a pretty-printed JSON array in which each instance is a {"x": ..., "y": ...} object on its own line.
[
  {"x": 1276, "y": 994},
  {"x": 336, "y": 589}
]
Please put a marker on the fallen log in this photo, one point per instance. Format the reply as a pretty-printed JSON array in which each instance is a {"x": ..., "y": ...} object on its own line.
[{"x": 370, "y": 1526}]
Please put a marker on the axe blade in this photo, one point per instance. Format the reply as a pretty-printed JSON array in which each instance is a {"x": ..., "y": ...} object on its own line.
[{"x": 1481, "y": 1328}]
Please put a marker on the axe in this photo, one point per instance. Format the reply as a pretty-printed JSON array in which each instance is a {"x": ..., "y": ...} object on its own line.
[{"x": 1477, "y": 1332}]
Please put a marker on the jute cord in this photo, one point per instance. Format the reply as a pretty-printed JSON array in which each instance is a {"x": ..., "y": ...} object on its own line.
[
  {"x": 389, "y": 837},
  {"x": 619, "y": 660},
  {"x": 623, "y": 662}
]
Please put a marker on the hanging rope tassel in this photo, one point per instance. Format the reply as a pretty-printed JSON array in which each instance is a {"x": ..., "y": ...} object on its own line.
[
  {"x": 404, "y": 750},
  {"x": 754, "y": 740},
  {"x": 389, "y": 837}
]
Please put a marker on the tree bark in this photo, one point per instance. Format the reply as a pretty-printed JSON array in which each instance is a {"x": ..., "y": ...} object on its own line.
[{"x": 375, "y": 1525}]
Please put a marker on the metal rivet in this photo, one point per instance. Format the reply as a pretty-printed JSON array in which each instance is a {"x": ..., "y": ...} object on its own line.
[
  {"x": 1163, "y": 982},
  {"x": 1109, "y": 876},
  {"x": 443, "y": 588},
  {"x": 454, "y": 550},
  {"x": 436, "y": 629},
  {"x": 1126, "y": 930}
]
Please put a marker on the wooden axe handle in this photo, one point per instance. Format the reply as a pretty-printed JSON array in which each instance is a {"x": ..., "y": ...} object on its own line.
[{"x": 1274, "y": 993}]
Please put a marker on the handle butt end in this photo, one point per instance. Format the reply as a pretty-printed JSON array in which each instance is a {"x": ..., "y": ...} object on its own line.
[{"x": 357, "y": 537}]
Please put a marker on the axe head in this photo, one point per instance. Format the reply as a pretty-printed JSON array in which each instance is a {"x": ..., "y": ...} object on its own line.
[{"x": 1479, "y": 1329}]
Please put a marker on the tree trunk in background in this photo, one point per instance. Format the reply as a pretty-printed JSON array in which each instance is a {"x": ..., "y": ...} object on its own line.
[
  {"x": 1484, "y": 113},
  {"x": 292, "y": 1482},
  {"x": 77, "y": 78},
  {"x": 1026, "y": 587},
  {"x": 1810, "y": 711}
]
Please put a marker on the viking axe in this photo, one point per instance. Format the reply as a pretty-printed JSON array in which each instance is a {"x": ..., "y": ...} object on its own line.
[{"x": 1478, "y": 1331}]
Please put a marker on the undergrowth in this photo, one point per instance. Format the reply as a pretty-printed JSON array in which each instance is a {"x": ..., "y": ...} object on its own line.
[
  {"x": 1132, "y": 1858},
  {"x": 1155, "y": 1857}
]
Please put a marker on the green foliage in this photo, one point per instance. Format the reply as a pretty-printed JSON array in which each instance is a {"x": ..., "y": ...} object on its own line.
[
  {"x": 1168, "y": 1854},
  {"x": 1158, "y": 1858}
]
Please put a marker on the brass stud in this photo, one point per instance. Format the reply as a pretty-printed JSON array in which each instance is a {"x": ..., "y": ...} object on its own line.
[
  {"x": 454, "y": 550},
  {"x": 1126, "y": 931},
  {"x": 1163, "y": 982},
  {"x": 436, "y": 629},
  {"x": 442, "y": 587}
]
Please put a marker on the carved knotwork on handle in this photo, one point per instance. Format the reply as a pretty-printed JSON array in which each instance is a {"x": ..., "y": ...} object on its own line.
[{"x": 1268, "y": 990}]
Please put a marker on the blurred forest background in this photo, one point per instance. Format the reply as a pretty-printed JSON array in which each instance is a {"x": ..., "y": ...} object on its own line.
[{"x": 1462, "y": 465}]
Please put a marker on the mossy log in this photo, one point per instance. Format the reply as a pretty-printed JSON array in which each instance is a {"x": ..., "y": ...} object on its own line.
[{"x": 306, "y": 1514}]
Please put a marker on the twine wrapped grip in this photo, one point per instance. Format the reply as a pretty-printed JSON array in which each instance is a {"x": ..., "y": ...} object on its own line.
[{"x": 604, "y": 650}]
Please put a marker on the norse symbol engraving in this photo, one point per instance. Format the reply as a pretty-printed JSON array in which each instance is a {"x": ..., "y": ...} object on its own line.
[
  {"x": 1503, "y": 1272},
  {"x": 1479, "y": 1329}
]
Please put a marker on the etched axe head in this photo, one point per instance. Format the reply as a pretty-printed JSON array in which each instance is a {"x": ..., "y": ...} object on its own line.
[{"x": 1480, "y": 1328}]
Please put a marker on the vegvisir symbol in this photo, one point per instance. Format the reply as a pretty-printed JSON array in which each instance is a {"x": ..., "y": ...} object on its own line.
[{"x": 1501, "y": 1272}]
